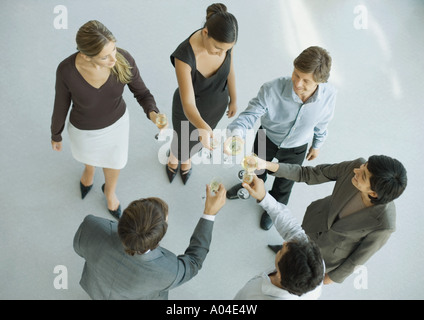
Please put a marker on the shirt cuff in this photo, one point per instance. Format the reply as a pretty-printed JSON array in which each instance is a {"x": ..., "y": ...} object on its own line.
[
  {"x": 208, "y": 217},
  {"x": 235, "y": 132}
]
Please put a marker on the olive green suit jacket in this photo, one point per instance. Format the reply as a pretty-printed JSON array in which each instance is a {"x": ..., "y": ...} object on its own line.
[{"x": 348, "y": 242}]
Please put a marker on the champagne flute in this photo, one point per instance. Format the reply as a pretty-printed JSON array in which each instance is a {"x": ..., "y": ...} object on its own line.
[
  {"x": 161, "y": 122},
  {"x": 214, "y": 143},
  {"x": 235, "y": 146},
  {"x": 246, "y": 177},
  {"x": 214, "y": 185},
  {"x": 250, "y": 162}
]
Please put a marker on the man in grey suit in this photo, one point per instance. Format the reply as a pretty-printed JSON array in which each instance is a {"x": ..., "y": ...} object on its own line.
[
  {"x": 123, "y": 260},
  {"x": 357, "y": 219}
]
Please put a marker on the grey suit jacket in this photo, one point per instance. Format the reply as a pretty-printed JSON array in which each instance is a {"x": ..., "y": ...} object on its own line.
[
  {"x": 110, "y": 273},
  {"x": 348, "y": 242}
]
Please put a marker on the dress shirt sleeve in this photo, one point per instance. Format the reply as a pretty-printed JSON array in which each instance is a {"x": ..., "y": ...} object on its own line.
[
  {"x": 283, "y": 219},
  {"x": 247, "y": 119},
  {"x": 321, "y": 129},
  {"x": 137, "y": 86},
  {"x": 62, "y": 103},
  {"x": 208, "y": 217}
]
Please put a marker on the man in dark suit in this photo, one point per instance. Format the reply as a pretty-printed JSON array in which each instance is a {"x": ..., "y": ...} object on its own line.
[
  {"x": 357, "y": 219},
  {"x": 123, "y": 260}
]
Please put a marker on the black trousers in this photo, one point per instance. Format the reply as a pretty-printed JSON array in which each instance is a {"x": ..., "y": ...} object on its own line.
[{"x": 281, "y": 188}]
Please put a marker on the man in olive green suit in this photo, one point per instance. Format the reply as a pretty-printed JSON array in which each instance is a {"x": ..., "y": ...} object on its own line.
[{"x": 357, "y": 219}]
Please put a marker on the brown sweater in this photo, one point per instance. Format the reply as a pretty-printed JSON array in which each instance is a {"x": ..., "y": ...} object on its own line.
[{"x": 94, "y": 108}]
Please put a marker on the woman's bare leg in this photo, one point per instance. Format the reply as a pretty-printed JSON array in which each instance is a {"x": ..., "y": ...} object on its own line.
[
  {"x": 172, "y": 161},
  {"x": 186, "y": 165},
  {"x": 111, "y": 180},
  {"x": 88, "y": 175}
]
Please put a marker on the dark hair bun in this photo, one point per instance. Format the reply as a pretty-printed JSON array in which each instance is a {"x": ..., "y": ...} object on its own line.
[{"x": 215, "y": 8}]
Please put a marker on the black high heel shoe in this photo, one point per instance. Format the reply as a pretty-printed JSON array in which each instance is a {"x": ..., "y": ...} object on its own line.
[
  {"x": 186, "y": 174},
  {"x": 84, "y": 190},
  {"x": 115, "y": 213},
  {"x": 171, "y": 173}
]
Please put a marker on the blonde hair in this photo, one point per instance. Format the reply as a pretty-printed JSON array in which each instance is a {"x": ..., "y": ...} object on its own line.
[{"x": 91, "y": 39}]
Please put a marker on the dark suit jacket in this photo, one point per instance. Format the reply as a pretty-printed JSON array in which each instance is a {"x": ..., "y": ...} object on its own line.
[
  {"x": 110, "y": 273},
  {"x": 348, "y": 242}
]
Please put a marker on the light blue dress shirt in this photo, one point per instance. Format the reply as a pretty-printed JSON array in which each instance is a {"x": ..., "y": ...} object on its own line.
[{"x": 288, "y": 121}]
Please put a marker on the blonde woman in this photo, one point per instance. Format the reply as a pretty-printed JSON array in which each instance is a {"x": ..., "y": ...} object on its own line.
[{"x": 93, "y": 80}]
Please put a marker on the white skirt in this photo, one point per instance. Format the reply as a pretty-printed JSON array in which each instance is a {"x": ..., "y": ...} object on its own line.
[{"x": 105, "y": 148}]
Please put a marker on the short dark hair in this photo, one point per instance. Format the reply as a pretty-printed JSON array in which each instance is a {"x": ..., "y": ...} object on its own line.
[
  {"x": 388, "y": 178},
  {"x": 301, "y": 266},
  {"x": 315, "y": 60},
  {"x": 222, "y": 25},
  {"x": 143, "y": 224}
]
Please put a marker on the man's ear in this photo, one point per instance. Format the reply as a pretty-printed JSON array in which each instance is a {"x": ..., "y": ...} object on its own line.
[{"x": 373, "y": 194}]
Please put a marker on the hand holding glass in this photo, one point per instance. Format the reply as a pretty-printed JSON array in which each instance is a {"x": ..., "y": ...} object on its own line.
[
  {"x": 245, "y": 177},
  {"x": 161, "y": 122},
  {"x": 214, "y": 184},
  {"x": 250, "y": 163},
  {"x": 233, "y": 145}
]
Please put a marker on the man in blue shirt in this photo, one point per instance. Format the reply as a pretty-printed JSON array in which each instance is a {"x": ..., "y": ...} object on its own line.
[{"x": 293, "y": 111}]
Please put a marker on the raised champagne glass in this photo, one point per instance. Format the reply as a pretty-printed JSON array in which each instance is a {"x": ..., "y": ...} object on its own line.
[
  {"x": 214, "y": 143},
  {"x": 214, "y": 184},
  {"x": 235, "y": 146},
  {"x": 247, "y": 177},
  {"x": 250, "y": 163}
]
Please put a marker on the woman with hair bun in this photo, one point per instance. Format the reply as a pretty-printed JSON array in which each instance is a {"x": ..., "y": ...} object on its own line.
[
  {"x": 206, "y": 87},
  {"x": 93, "y": 80}
]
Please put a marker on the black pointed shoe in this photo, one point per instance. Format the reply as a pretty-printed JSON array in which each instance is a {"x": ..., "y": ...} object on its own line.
[
  {"x": 115, "y": 213},
  {"x": 171, "y": 173},
  {"x": 84, "y": 190},
  {"x": 275, "y": 247},
  {"x": 186, "y": 174}
]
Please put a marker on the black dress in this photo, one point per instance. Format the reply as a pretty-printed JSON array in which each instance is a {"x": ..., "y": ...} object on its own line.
[{"x": 211, "y": 96}]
